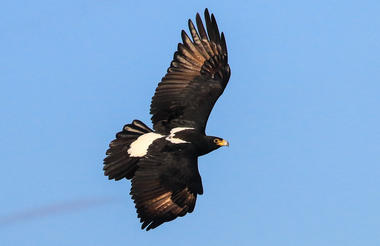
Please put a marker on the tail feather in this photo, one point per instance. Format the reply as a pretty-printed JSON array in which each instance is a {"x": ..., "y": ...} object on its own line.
[{"x": 118, "y": 164}]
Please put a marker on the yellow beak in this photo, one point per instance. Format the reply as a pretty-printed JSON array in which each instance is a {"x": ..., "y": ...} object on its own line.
[{"x": 223, "y": 143}]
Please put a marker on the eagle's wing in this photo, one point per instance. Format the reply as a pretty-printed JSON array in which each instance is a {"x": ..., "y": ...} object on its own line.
[
  {"x": 194, "y": 81},
  {"x": 164, "y": 187}
]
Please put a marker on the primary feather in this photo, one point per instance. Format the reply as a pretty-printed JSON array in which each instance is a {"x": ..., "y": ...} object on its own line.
[{"x": 196, "y": 78}]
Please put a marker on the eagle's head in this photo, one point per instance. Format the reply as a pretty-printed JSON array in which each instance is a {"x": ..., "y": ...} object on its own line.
[{"x": 212, "y": 143}]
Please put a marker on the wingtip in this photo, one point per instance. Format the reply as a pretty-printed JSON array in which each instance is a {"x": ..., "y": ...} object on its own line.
[
  {"x": 206, "y": 12},
  {"x": 197, "y": 16},
  {"x": 191, "y": 25},
  {"x": 223, "y": 42}
]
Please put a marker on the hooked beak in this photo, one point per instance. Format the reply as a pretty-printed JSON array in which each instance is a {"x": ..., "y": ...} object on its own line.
[{"x": 224, "y": 143}]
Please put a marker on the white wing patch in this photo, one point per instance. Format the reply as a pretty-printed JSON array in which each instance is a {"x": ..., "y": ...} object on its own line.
[
  {"x": 140, "y": 146},
  {"x": 173, "y": 131}
]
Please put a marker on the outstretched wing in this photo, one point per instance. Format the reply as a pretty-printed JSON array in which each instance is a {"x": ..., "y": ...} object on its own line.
[
  {"x": 194, "y": 81},
  {"x": 165, "y": 187}
]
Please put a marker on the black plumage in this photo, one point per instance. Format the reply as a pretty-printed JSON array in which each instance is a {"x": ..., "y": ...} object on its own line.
[
  {"x": 194, "y": 81},
  {"x": 163, "y": 164}
]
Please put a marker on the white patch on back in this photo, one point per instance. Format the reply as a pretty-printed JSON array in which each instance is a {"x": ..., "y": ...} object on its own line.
[
  {"x": 140, "y": 146},
  {"x": 173, "y": 131}
]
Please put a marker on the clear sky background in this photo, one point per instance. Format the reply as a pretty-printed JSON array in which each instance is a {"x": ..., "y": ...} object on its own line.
[{"x": 301, "y": 113}]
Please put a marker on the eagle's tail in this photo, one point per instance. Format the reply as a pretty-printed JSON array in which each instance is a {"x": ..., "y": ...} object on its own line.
[{"x": 118, "y": 164}]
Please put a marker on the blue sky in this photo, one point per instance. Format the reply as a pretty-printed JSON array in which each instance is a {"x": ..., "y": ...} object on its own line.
[{"x": 301, "y": 113}]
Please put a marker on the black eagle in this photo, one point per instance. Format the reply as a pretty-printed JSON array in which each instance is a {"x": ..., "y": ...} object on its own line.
[{"x": 163, "y": 163}]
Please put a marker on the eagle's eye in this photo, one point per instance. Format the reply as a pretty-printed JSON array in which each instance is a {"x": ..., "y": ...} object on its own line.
[{"x": 216, "y": 140}]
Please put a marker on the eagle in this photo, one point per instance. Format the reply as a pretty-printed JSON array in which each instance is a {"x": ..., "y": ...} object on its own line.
[{"x": 162, "y": 163}]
